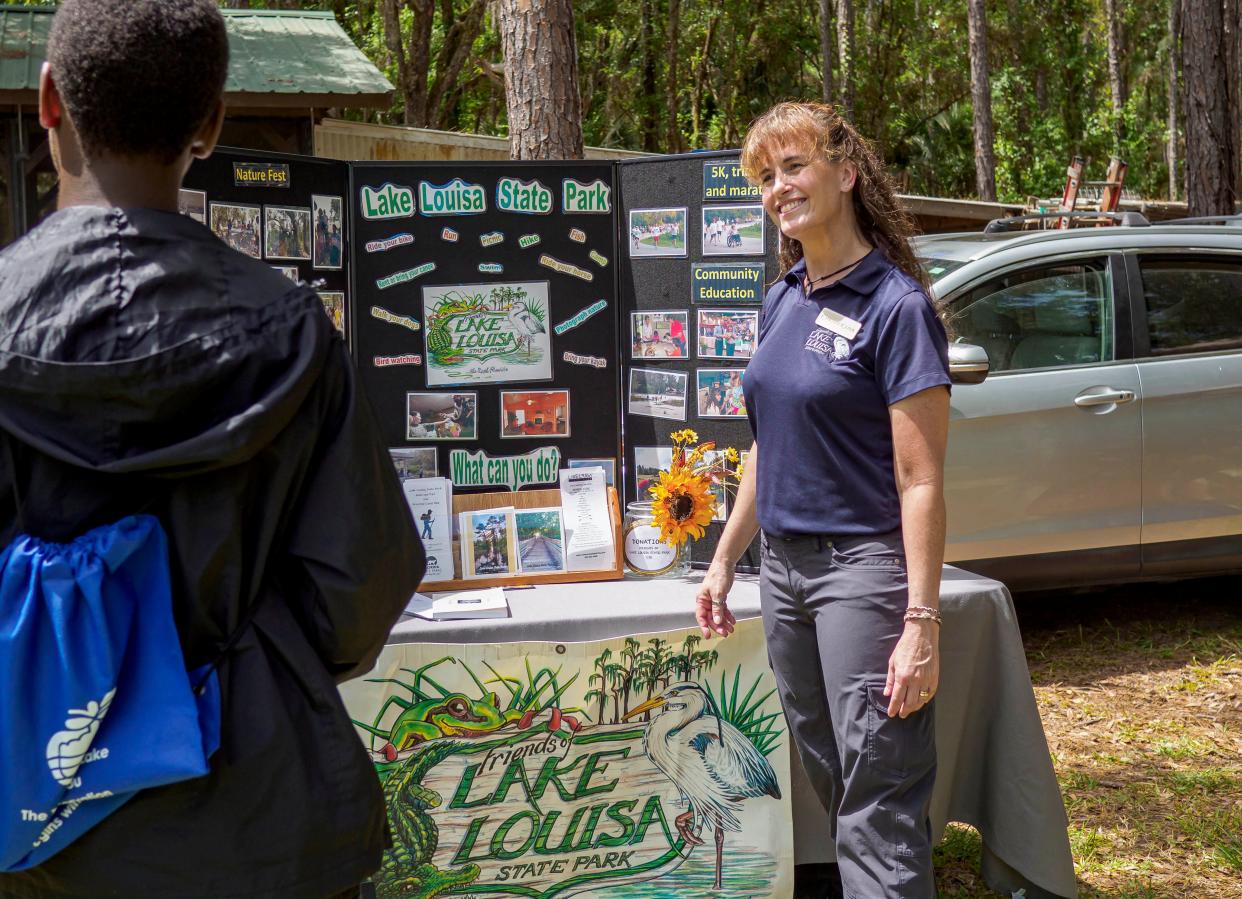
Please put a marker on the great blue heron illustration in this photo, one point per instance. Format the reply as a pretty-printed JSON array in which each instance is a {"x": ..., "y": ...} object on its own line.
[{"x": 712, "y": 762}]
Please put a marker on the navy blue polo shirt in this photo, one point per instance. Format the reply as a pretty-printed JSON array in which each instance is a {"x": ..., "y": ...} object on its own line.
[{"x": 818, "y": 401}]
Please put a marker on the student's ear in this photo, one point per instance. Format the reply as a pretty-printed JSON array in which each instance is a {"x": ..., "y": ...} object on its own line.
[
  {"x": 49, "y": 99},
  {"x": 848, "y": 174},
  {"x": 204, "y": 141}
]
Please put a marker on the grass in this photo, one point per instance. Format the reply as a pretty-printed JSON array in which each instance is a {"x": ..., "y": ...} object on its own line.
[{"x": 1140, "y": 692}]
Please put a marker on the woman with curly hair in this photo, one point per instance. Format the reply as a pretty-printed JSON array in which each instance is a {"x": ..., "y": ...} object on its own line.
[{"x": 847, "y": 396}]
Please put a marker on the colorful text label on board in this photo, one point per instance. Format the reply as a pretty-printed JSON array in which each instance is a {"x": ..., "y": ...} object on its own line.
[
  {"x": 553, "y": 770},
  {"x": 260, "y": 174},
  {"x": 530, "y": 197},
  {"x": 455, "y": 198},
  {"x": 726, "y": 283},
  {"x": 478, "y": 469},
  {"x": 723, "y": 180},
  {"x": 397, "y": 240},
  {"x": 389, "y": 201},
  {"x": 487, "y": 333},
  {"x": 595, "y": 198}
]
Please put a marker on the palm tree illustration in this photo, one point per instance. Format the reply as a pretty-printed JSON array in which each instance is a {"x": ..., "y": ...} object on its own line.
[{"x": 599, "y": 683}]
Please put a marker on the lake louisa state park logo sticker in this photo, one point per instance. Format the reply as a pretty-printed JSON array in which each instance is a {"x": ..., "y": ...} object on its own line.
[{"x": 497, "y": 786}]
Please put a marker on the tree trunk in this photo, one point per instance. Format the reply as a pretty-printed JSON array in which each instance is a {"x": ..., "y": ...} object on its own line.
[
  {"x": 981, "y": 98},
  {"x": 648, "y": 117},
  {"x": 845, "y": 55},
  {"x": 672, "y": 143},
  {"x": 826, "y": 47},
  {"x": 1116, "y": 84},
  {"x": 1233, "y": 82},
  {"x": 454, "y": 52},
  {"x": 700, "y": 83},
  {"x": 1210, "y": 184},
  {"x": 541, "y": 79},
  {"x": 1175, "y": 97}
]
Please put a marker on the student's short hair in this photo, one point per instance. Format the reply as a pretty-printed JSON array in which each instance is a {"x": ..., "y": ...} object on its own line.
[{"x": 138, "y": 77}]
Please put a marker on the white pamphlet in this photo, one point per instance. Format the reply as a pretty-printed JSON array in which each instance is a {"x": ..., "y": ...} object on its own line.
[
  {"x": 462, "y": 604},
  {"x": 431, "y": 502},
  {"x": 588, "y": 528}
]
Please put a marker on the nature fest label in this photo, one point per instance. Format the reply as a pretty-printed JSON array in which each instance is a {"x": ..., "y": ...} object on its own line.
[{"x": 645, "y": 552}]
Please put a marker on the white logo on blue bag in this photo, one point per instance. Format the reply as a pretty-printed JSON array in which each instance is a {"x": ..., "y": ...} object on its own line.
[{"x": 67, "y": 749}]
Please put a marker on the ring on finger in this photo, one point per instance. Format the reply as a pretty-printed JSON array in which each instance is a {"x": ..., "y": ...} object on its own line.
[{"x": 925, "y": 694}]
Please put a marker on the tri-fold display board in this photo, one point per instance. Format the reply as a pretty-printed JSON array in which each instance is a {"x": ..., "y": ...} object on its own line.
[{"x": 510, "y": 319}]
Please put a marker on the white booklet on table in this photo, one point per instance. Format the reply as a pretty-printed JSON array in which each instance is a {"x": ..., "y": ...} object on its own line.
[{"x": 459, "y": 605}]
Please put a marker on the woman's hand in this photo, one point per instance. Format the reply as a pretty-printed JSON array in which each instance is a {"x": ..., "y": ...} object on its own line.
[
  {"x": 710, "y": 609},
  {"x": 913, "y": 667}
]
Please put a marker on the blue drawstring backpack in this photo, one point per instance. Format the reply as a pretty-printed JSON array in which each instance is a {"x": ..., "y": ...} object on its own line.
[{"x": 95, "y": 700}]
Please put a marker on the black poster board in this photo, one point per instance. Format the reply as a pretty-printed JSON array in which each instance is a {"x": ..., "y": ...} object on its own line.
[
  {"x": 458, "y": 303},
  {"x": 297, "y": 204},
  {"x": 658, "y": 274}
]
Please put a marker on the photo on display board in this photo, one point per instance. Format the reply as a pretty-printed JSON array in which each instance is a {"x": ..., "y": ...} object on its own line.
[
  {"x": 720, "y": 394},
  {"x": 658, "y": 394},
  {"x": 441, "y": 416},
  {"x": 540, "y": 540},
  {"x": 658, "y": 335},
  {"x": 334, "y": 305},
  {"x": 328, "y": 221},
  {"x": 287, "y": 232},
  {"x": 534, "y": 413},
  {"x": 193, "y": 203},
  {"x": 733, "y": 230},
  {"x": 289, "y": 271},
  {"x": 649, "y": 461},
  {"x": 658, "y": 232},
  {"x": 727, "y": 333},
  {"x": 717, "y": 486},
  {"x": 609, "y": 466},
  {"x": 487, "y": 333},
  {"x": 413, "y": 462},
  {"x": 488, "y": 543},
  {"x": 238, "y": 226}
]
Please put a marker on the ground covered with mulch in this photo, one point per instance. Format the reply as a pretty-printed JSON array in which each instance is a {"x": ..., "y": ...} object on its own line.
[{"x": 1140, "y": 691}]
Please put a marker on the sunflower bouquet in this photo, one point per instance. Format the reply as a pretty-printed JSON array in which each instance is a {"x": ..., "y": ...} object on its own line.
[{"x": 683, "y": 501}]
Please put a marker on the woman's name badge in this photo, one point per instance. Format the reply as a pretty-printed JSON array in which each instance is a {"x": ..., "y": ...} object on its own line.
[{"x": 838, "y": 323}]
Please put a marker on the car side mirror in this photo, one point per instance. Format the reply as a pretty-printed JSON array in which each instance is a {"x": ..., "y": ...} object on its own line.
[{"x": 968, "y": 363}]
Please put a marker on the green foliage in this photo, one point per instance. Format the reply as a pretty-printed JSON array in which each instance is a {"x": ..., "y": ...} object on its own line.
[
  {"x": 746, "y": 712},
  {"x": 735, "y": 58}
]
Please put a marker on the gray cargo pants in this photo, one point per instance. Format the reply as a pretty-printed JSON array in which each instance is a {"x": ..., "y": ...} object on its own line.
[{"x": 832, "y": 613}]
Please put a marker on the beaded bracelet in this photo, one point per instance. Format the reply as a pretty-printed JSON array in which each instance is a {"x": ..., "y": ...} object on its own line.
[{"x": 922, "y": 613}]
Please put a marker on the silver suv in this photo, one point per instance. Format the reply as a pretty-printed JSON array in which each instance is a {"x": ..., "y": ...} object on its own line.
[{"x": 1106, "y": 442}]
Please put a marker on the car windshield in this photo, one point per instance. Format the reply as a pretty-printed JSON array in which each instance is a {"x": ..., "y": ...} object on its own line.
[{"x": 938, "y": 266}]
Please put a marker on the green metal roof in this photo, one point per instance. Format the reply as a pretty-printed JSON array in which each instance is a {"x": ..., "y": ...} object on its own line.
[{"x": 282, "y": 57}]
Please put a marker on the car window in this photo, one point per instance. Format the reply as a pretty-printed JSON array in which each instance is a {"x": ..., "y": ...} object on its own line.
[
  {"x": 1040, "y": 317},
  {"x": 1193, "y": 306}
]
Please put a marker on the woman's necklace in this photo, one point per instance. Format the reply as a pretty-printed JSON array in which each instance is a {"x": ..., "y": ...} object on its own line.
[{"x": 811, "y": 282}]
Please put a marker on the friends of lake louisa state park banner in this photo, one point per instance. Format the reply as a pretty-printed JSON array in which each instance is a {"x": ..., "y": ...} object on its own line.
[{"x": 645, "y": 766}]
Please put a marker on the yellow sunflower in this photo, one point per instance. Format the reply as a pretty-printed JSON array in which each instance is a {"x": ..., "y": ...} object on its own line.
[{"x": 683, "y": 506}]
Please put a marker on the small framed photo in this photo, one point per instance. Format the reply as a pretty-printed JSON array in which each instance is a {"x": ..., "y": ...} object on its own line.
[
  {"x": 658, "y": 335},
  {"x": 193, "y": 203},
  {"x": 609, "y": 466},
  {"x": 488, "y": 543},
  {"x": 720, "y": 394},
  {"x": 727, "y": 333},
  {"x": 540, "y": 540},
  {"x": 334, "y": 305},
  {"x": 441, "y": 416},
  {"x": 413, "y": 462},
  {"x": 649, "y": 461},
  {"x": 286, "y": 232},
  {"x": 658, "y": 232},
  {"x": 534, "y": 413},
  {"x": 658, "y": 394},
  {"x": 289, "y": 271},
  {"x": 733, "y": 230},
  {"x": 238, "y": 226},
  {"x": 328, "y": 223},
  {"x": 719, "y": 493}
]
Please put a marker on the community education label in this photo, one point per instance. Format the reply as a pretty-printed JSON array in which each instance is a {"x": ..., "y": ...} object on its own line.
[{"x": 733, "y": 282}]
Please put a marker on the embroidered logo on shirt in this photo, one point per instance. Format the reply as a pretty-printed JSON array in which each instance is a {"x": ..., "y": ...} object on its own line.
[{"x": 824, "y": 342}]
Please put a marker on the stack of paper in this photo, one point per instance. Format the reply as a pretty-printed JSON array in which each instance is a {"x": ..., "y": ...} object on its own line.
[
  {"x": 431, "y": 503},
  {"x": 588, "y": 527},
  {"x": 463, "y": 604}
]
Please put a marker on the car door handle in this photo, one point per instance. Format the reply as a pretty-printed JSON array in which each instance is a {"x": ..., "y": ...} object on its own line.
[{"x": 1105, "y": 397}]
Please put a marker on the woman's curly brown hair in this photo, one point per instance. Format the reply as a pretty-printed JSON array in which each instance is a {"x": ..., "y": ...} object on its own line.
[{"x": 880, "y": 216}]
